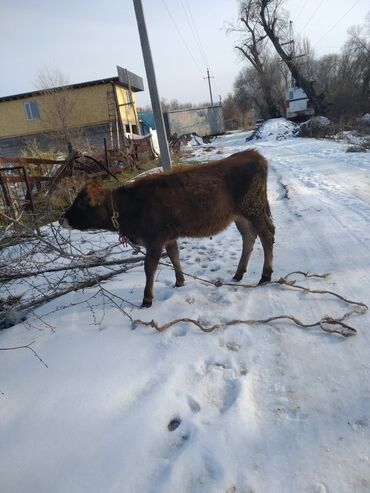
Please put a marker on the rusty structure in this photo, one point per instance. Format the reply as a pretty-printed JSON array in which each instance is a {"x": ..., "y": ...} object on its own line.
[{"x": 24, "y": 179}]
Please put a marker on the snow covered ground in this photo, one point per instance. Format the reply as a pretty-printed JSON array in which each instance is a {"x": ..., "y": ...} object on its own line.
[{"x": 265, "y": 409}]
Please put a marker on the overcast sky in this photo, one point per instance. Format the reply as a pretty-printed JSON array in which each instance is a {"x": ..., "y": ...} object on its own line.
[{"x": 86, "y": 39}]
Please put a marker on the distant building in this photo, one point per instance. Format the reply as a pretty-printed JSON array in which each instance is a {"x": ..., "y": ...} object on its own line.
[
  {"x": 98, "y": 109},
  {"x": 204, "y": 121},
  {"x": 297, "y": 104}
]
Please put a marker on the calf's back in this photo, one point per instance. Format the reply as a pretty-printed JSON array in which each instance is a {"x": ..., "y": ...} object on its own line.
[{"x": 194, "y": 201}]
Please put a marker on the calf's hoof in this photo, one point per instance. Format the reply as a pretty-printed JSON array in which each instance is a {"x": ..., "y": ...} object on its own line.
[
  {"x": 264, "y": 280},
  {"x": 146, "y": 303},
  {"x": 179, "y": 284},
  {"x": 237, "y": 276}
]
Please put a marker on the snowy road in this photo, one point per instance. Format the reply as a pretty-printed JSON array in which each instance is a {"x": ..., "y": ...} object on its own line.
[{"x": 262, "y": 409}]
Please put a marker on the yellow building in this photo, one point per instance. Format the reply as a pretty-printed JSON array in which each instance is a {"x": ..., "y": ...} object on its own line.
[{"x": 94, "y": 111}]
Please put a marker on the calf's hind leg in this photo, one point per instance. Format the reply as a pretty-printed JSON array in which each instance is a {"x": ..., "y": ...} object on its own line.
[
  {"x": 266, "y": 232},
  {"x": 248, "y": 233},
  {"x": 173, "y": 252},
  {"x": 153, "y": 254}
]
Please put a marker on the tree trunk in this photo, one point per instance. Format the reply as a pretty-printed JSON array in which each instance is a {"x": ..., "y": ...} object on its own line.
[
  {"x": 255, "y": 60},
  {"x": 317, "y": 100},
  {"x": 272, "y": 109}
]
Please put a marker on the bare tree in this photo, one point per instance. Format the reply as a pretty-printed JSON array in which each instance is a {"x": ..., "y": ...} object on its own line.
[
  {"x": 59, "y": 107},
  {"x": 266, "y": 19},
  {"x": 232, "y": 113},
  {"x": 250, "y": 94},
  {"x": 270, "y": 16},
  {"x": 345, "y": 77},
  {"x": 306, "y": 61},
  {"x": 174, "y": 104},
  {"x": 253, "y": 47},
  {"x": 358, "y": 49}
]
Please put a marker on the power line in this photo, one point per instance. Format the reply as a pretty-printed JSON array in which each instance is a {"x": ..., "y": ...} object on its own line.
[
  {"x": 302, "y": 9},
  {"x": 187, "y": 15},
  {"x": 202, "y": 50},
  {"x": 200, "y": 44},
  {"x": 309, "y": 20},
  {"x": 338, "y": 21},
  {"x": 181, "y": 36}
]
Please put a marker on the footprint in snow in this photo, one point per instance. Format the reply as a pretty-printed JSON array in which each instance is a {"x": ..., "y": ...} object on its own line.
[
  {"x": 291, "y": 413},
  {"x": 173, "y": 424},
  {"x": 193, "y": 405},
  {"x": 217, "y": 298},
  {"x": 218, "y": 388},
  {"x": 231, "y": 393},
  {"x": 232, "y": 346},
  {"x": 178, "y": 434},
  {"x": 179, "y": 330}
]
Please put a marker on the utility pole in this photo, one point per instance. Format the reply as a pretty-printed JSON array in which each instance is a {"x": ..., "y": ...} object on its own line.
[
  {"x": 292, "y": 46},
  {"x": 209, "y": 77},
  {"x": 291, "y": 53},
  {"x": 152, "y": 83}
]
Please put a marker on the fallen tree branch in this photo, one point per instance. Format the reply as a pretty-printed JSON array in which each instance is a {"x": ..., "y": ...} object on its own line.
[
  {"x": 345, "y": 331},
  {"x": 292, "y": 284},
  {"x": 283, "y": 281},
  {"x": 99, "y": 263},
  {"x": 88, "y": 283},
  {"x": 26, "y": 346},
  {"x": 326, "y": 324},
  {"x": 76, "y": 287}
]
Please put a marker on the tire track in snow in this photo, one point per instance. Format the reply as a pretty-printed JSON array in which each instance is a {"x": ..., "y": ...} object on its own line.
[
  {"x": 317, "y": 195},
  {"x": 349, "y": 186}
]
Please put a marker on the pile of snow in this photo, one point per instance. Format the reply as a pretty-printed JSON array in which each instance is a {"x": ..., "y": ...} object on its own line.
[
  {"x": 195, "y": 141},
  {"x": 365, "y": 119},
  {"x": 317, "y": 126},
  {"x": 155, "y": 142},
  {"x": 352, "y": 137},
  {"x": 152, "y": 171},
  {"x": 356, "y": 148},
  {"x": 320, "y": 121},
  {"x": 275, "y": 129}
]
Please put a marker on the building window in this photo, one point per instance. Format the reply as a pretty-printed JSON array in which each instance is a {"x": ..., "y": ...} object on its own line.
[{"x": 32, "y": 111}]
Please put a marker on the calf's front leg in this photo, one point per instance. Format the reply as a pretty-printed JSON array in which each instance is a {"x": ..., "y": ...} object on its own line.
[
  {"x": 172, "y": 250},
  {"x": 153, "y": 254}
]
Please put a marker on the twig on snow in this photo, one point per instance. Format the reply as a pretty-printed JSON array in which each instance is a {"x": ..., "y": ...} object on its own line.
[
  {"x": 327, "y": 323},
  {"x": 26, "y": 346},
  {"x": 346, "y": 330},
  {"x": 88, "y": 265}
]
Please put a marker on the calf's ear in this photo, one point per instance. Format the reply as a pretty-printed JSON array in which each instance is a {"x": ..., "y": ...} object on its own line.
[{"x": 95, "y": 193}]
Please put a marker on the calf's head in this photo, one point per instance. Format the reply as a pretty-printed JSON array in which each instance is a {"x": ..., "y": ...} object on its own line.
[{"x": 90, "y": 209}]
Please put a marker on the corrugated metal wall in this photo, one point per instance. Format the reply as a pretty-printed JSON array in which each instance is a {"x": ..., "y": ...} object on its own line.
[{"x": 206, "y": 120}]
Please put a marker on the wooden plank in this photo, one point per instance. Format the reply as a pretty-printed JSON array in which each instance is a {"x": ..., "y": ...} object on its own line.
[
  {"x": 20, "y": 179},
  {"x": 29, "y": 160}
]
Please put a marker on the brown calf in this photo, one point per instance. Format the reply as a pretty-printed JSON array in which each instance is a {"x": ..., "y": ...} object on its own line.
[{"x": 193, "y": 201}]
